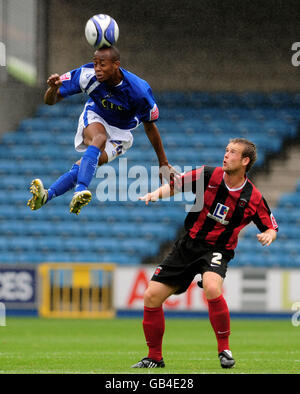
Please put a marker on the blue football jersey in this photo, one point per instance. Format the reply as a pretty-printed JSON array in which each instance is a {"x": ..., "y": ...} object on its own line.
[{"x": 124, "y": 106}]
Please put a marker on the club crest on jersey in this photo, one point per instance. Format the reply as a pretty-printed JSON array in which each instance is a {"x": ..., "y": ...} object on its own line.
[
  {"x": 220, "y": 214},
  {"x": 242, "y": 203},
  {"x": 157, "y": 271}
]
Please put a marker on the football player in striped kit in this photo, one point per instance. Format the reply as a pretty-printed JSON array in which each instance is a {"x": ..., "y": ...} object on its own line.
[
  {"x": 119, "y": 102},
  {"x": 228, "y": 202}
]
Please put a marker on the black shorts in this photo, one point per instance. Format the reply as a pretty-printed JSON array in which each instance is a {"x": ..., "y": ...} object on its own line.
[{"x": 188, "y": 258}]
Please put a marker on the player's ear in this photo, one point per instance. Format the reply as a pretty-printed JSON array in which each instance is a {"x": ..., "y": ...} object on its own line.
[
  {"x": 246, "y": 161},
  {"x": 116, "y": 64}
]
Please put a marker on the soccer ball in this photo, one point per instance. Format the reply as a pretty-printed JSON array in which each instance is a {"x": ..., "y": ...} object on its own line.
[{"x": 101, "y": 31}]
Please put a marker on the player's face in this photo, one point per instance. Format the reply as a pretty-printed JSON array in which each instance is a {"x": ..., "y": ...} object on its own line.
[
  {"x": 105, "y": 68},
  {"x": 233, "y": 160}
]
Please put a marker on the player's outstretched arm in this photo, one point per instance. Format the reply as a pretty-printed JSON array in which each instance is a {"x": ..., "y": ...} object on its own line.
[
  {"x": 166, "y": 171},
  {"x": 52, "y": 95},
  {"x": 155, "y": 139},
  {"x": 267, "y": 237},
  {"x": 162, "y": 192}
]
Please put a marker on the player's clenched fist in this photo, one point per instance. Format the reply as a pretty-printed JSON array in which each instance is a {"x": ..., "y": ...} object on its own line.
[
  {"x": 54, "y": 81},
  {"x": 267, "y": 237}
]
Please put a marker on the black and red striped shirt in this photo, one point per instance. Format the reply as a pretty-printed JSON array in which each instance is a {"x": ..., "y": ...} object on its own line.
[{"x": 225, "y": 212}]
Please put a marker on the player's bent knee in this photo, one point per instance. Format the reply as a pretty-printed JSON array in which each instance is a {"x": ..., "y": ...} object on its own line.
[
  {"x": 95, "y": 134},
  {"x": 156, "y": 294},
  {"x": 99, "y": 140},
  {"x": 152, "y": 299},
  {"x": 212, "y": 284},
  {"x": 212, "y": 290}
]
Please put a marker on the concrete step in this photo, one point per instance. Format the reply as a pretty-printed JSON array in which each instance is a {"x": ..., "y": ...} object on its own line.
[{"x": 282, "y": 178}]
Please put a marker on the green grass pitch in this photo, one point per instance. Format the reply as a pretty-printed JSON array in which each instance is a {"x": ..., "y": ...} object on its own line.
[{"x": 35, "y": 346}]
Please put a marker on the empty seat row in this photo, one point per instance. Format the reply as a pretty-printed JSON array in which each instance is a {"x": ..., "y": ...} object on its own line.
[
  {"x": 107, "y": 213},
  {"x": 265, "y": 260},
  {"x": 8, "y": 257},
  {"x": 140, "y": 247},
  {"x": 44, "y": 143},
  {"x": 213, "y": 99},
  {"x": 73, "y": 229},
  {"x": 272, "y": 126}
]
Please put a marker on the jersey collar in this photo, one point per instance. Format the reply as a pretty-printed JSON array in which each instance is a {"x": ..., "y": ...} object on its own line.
[{"x": 236, "y": 189}]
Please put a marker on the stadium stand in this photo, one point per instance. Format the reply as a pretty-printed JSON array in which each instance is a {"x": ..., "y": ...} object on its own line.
[{"x": 195, "y": 128}]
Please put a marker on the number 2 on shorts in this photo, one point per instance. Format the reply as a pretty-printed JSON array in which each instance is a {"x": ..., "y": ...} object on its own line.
[{"x": 216, "y": 259}]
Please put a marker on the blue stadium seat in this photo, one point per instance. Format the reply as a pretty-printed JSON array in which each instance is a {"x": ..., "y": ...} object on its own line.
[
  {"x": 291, "y": 200},
  {"x": 62, "y": 111},
  {"x": 281, "y": 99},
  {"x": 255, "y": 99},
  {"x": 279, "y": 127},
  {"x": 289, "y": 232}
]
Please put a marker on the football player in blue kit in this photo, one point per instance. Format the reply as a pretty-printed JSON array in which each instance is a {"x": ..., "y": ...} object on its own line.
[{"x": 119, "y": 102}]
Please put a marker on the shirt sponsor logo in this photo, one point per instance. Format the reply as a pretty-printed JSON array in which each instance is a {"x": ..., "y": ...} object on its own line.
[
  {"x": 111, "y": 106},
  {"x": 220, "y": 214}
]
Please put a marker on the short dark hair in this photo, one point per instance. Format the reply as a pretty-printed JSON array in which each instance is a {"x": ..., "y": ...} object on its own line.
[
  {"x": 114, "y": 53},
  {"x": 249, "y": 150}
]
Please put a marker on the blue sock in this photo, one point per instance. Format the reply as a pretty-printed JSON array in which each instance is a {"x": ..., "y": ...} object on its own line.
[
  {"x": 64, "y": 183},
  {"x": 87, "y": 167}
]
